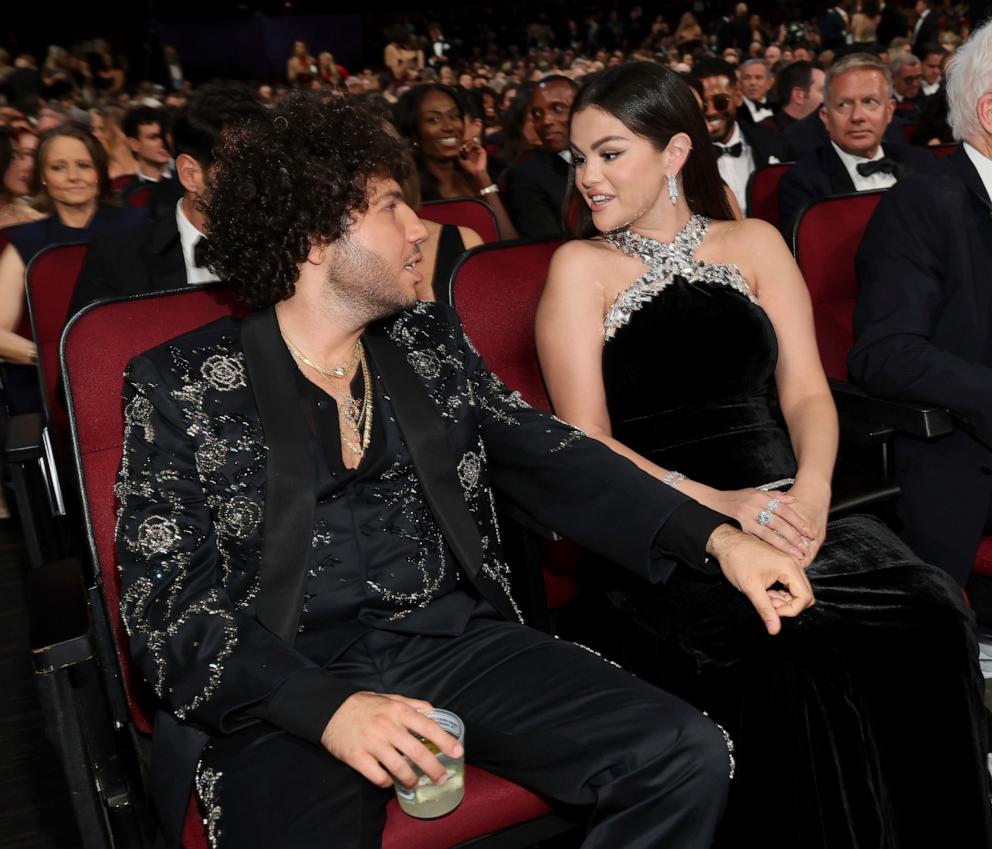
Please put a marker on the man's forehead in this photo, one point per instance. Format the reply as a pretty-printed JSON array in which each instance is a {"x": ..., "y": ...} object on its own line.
[
  {"x": 554, "y": 91},
  {"x": 717, "y": 82},
  {"x": 381, "y": 188}
]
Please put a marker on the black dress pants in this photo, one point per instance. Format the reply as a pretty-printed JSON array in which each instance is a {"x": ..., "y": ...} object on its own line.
[{"x": 539, "y": 711}]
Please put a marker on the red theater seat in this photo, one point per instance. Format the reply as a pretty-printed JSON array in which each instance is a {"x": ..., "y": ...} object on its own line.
[
  {"x": 95, "y": 350},
  {"x": 762, "y": 192},
  {"x": 942, "y": 150},
  {"x": 463, "y": 212}
]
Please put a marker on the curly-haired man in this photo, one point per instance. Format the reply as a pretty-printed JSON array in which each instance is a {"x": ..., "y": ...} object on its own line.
[{"x": 309, "y": 551}]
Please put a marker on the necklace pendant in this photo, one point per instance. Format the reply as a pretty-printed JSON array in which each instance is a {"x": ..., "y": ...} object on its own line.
[{"x": 339, "y": 371}]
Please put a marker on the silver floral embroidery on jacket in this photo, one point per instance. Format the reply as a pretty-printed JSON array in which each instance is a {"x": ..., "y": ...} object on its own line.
[
  {"x": 158, "y": 535},
  {"x": 223, "y": 373},
  {"x": 666, "y": 262},
  {"x": 207, "y": 780},
  {"x": 238, "y": 517}
]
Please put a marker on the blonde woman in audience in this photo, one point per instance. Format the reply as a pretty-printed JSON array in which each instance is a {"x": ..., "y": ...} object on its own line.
[{"x": 107, "y": 124}]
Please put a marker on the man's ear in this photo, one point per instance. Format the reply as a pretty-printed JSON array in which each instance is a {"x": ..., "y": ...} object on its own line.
[
  {"x": 190, "y": 174},
  {"x": 318, "y": 253},
  {"x": 984, "y": 112}
]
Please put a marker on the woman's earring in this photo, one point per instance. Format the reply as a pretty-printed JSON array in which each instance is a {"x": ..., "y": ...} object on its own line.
[{"x": 673, "y": 189}]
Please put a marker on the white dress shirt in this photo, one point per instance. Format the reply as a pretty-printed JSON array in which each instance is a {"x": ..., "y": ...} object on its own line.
[
  {"x": 931, "y": 88},
  {"x": 878, "y": 180},
  {"x": 983, "y": 165},
  {"x": 188, "y": 237},
  {"x": 759, "y": 113},
  {"x": 736, "y": 170}
]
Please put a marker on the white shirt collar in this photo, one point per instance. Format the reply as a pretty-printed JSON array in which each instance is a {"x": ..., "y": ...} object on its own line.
[
  {"x": 931, "y": 88},
  {"x": 189, "y": 235},
  {"x": 735, "y": 136},
  {"x": 983, "y": 165},
  {"x": 861, "y": 183},
  {"x": 566, "y": 154}
]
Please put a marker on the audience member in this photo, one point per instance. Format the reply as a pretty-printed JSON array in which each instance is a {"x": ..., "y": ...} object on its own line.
[
  {"x": 907, "y": 78},
  {"x": 17, "y": 149},
  {"x": 800, "y": 93},
  {"x": 107, "y": 124},
  {"x": 144, "y": 128},
  {"x": 166, "y": 252},
  {"x": 301, "y": 67},
  {"x": 833, "y": 28},
  {"x": 922, "y": 324},
  {"x": 756, "y": 82},
  {"x": 864, "y": 24},
  {"x": 926, "y": 30},
  {"x": 402, "y": 56},
  {"x": 536, "y": 187},
  {"x": 934, "y": 57},
  {"x": 892, "y": 24},
  {"x": 857, "y": 108},
  {"x": 740, "y": 148},
  {"x": 451, "y": 160}
]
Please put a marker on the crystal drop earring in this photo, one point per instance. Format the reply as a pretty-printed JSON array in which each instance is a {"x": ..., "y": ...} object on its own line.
[{"x": 673, "y": 189}]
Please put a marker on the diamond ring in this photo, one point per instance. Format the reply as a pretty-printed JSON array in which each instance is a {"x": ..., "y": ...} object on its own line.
[{"x": 764, "y": 517}]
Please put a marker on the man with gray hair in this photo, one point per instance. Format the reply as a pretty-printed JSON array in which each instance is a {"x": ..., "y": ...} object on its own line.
[
  {"x": 857, "y": 108},
  {"x": 907, "y": 86},
  {"x": 755, "y": 82},
  {"x": 923, "y": 323}
]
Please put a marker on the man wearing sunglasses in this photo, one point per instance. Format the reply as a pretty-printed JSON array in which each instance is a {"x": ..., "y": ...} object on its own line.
[
  {"x": 740, "y": 148},
  {"x": 907, "y": 85},
  {"x": 857, "y": 108}
]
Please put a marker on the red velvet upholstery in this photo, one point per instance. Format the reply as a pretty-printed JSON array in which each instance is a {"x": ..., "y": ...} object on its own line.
[
  {"x": 140, "y": 198},
  {"x": 762, "y": 192},
  {"x": 496, "y": 290},
  {"x": 942, "y": 150},
  {"x": 827, "y": 237},
  {"x": 983, "y": 559},
  {"x": 95, "y": 351},
  {"x": 463, "y": 212},
  {"x": 51, "y": 277},
  {"x": 121, "y": 182},
  {"x": 908, "y": 132}
]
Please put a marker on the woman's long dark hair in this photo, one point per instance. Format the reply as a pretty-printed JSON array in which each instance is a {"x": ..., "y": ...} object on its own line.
[
  {"x": 407, "y": 121},
  {"x": 656, "y": 103}
]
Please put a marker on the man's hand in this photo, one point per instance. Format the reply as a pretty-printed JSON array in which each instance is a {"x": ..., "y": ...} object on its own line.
[
  {"x": 754, "y": 567},
  {"x": 372, "y": 731}
]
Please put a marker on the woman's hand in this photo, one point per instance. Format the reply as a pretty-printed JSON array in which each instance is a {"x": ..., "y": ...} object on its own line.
[
  {"x": 472, "y": 156},
  {"x": 22, "y": 351},
  {"x": 812, "y": 505},
  {"x": 786, "y": 529}
]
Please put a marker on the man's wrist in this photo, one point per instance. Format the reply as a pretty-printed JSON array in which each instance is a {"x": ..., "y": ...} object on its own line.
[{"x": 723, "y": 536}]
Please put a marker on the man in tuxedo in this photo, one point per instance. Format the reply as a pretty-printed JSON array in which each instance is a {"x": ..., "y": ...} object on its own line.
[
  {"x": 927, "y": 28},
  {"x": 907, "y": 86},
  {"x": 892, "y": 24},
  {"x": 934, "y": 57},
  {"x": 800, "y": 93},
  {"x": 165, "y": 252},
  {"x": 144, "y": 128},
  {"x": 535, "y": 188},
  {"x": 755, "y": 83},
  {"x": 308, "y": 545},
  {"x": 924, "y": 319},
  {"x": 740, "y": 148},
  {"x": 857, "y": 108},
  {"x": 438, "y": 47},
  {"x": 833, "y": 28}
]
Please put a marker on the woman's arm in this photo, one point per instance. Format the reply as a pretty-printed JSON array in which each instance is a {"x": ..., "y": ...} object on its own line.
[
  {"x": 12, "y": 346},
  {"x": 474, "y": 161},
  {"x": 569, "y": 331},
  {"x": 804, "y": 395}
]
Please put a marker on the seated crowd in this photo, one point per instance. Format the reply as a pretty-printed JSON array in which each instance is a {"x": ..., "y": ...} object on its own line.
[{"x": 348, "y": 420}]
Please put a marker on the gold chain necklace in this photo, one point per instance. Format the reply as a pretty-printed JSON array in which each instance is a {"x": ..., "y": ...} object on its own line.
[
  {"x": 335, "y": 373},
  {"x": 357, "y": 414}
]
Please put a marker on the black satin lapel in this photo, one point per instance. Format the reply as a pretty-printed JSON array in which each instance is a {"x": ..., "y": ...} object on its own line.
[
  {"x": 423, "y": 432},
  {"x": 289, "y": 489},
  {"x": 966, "y": 169}
]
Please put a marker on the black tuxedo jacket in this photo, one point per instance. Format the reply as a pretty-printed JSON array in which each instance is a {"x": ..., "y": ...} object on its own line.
[
  {"x": 764, "y": 143},
  {"x": 832, "y": 30},
  {"x": 145, "y": 258},
  {"x": 928, "y": 34},
  {"x": 535, "y": 194},
  {"x": 821, "y": 173},
  {"x": 923, "y": 322},
  {"x": 216, "y": 494},
  {"x": 892, "y": 24}
]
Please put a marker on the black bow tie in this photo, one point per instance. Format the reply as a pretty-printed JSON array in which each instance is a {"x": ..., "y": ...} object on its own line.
[
  {"x": 200, "y": 252},
  {"x": 879, "y": 166},
  {"x": 761, "y": 104},
  {"x": 733, "y": 150}
]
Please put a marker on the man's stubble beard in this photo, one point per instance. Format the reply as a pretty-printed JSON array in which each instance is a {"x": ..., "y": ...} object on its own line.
[{"x": 361, "y": 284}]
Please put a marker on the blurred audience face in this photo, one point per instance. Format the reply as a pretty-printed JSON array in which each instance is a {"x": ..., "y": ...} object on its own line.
[
  {"x": 801, "y": 54},
  {"x": 265, "y": 93},
  {"x": 550, "y": 104},
  {"x": 100, "y": 130},
  {"x": 773, "y": 53},
  {"x": 69, "y": 172},
  {"x": 856, "y": 111},
  {"x": 441, "y": 126},
  {"x": 48, "y": 118},
  {"x": 17, "y": 177},
  {"x": 149, "y": 146},
  {"x": 720, "y": 101},
  {"x": 908, "y": 80},
  {"x": 756, "y": 82},
  {"x": 933, "y": 67},
  {"x": 730, "y": 56},
  {"x": 465, "y": 81},
  {"x": 446, "y": 76}
]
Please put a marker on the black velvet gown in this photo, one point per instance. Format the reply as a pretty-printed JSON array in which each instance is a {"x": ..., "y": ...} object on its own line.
[{"x": 861, "y": 724}]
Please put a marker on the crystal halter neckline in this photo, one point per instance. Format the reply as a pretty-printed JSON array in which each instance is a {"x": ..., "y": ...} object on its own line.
[{"x": 666, "y": 262}]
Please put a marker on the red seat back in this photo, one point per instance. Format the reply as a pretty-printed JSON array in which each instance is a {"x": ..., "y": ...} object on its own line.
[
  {"x": 762, "y": 192},
  {"x": 96, "y": 348},
  {"x": 495, "y": 289},
  {"x": 140, "y": 198},
  {"x": 942, "y": 150},
  {"x": 50, "y": 279},
  {"x": 826, "y": 242},
  {"x": 909, "y": 132},
  {"x": 463, "y": 212}
]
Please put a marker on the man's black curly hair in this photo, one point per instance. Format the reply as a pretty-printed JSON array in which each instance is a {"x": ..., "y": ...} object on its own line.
[{"x": 286, "y": 179}]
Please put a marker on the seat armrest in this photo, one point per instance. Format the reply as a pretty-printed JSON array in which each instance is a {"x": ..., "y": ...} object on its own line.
[
  {"x": 926, "y": 421},
  {"x": 58, "y": 616},
  {"x": 23, "y": 442},
  {"x": 862, "y": 433}
]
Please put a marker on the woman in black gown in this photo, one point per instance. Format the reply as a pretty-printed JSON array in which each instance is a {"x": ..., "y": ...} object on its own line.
[{"x": 684, "y": 340}]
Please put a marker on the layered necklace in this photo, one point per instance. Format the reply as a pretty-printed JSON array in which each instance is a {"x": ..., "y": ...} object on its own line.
[{"x": 355, "y": 414}]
